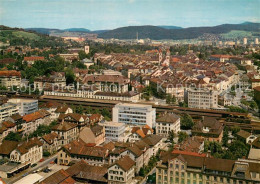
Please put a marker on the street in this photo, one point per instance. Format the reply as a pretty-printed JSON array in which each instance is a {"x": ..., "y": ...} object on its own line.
[{"x": 30, "y": 170}]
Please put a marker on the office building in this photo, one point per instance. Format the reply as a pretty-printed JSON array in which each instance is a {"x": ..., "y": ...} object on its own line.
[
  {"x": 134, "y": 114},
  {"x": 26, "y": 106}
]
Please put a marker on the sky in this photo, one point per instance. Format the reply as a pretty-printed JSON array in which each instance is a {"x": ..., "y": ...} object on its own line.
[{"x": 111, "y": 14}]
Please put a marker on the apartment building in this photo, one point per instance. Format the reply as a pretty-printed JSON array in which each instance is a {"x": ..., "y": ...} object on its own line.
[
  {"x": 26, "y": 106},
  {"x": 202, "y": 98},
  {"x": 51, "y": 142},
  {"x": 55, "y": 80},
  {"x": 32, "y": 121},
  {"x": 108, "y": 83},
  {"x": 122, "y": 171},
  {"x": 195, "y": 168},
  {"x": 29, "y": 151},
  {"x": 167, "y": 123},
  {"x": 134, "y": 114},
  {"x": 5, "y": 128},
  {"x": 7, "y": 110},
  {"x": 114, "y": 131},
  {"x": 66, "y": 131},
  {"x": 10, "y": 78}
]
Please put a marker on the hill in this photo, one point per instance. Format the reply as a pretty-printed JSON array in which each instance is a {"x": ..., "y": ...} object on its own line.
[
  {"x": 77, "y": 30},
  {"x": 17, "y": 36},
  {"x": 159, "y": 33},
  {"x": 171, "y": 27}
]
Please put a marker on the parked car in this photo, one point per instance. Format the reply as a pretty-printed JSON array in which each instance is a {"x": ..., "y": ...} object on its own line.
[
  {"x": 52, "y": 162},
  {"x": 33, "y": 165},
  {"x": 25, "y": 174},
  {"x": 42, "y": 160}
]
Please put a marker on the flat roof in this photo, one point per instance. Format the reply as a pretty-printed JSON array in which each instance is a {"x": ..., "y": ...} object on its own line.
[
  {"x": 30, "y": 179},
  {"x": 111, "y": 123},
  {"x": 133, "y": 105},
  {"x": 8, "y": 166}
]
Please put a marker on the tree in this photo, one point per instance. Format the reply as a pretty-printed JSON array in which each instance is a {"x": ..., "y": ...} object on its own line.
[
  {"x": 170, "y": 99},
  {"x": 170, "y": 139},
  {"x": 186, "y": 122},
  {"x": 225, "y": 137},
  {"x": 182, "y": 136},
  {"x": 79, "y": 109},
  {"x": 13, "y": 137}
]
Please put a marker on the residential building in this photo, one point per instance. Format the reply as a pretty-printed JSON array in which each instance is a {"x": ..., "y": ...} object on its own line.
[
  {"x": 26, "y": 106},
  {"x": 6, "y": 128},
  {"x": 114, "y": 131},
  {"x": 34, "y": 120},
  {"x": 79, "y": 150},
  {"x": 194, "y": 168},
  {"x": 9, "y": 78},
  {"x": 51, "y": 142},
  {"x": 134, "y": 114},
  {"x": 108, "y": 83},
  {"x": 209, "y": 129},
  {"x": 94, "y": 134},
  {"x": 139, "y": 132},
  {"x": 66, "y": 131},
  {"x": 202, "y": 98},
  {"x": 29, "y": 151},
  {"x": 6, "y": 148},
  {"x": 32, "y": 59},
  {"x": 255, "y": 83},
  {"x": 54, "y": 81},
  {"x": 122, "y": 171},
  {"x": 167, "y": 123},
  {"x": 7, "y": 110},
  {"x": 75, "y": 118}
]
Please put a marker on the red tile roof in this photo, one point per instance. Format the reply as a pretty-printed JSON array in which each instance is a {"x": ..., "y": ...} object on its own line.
[
  {"x": 9, "y": 73},
  {"x": 33, "y": 58}
]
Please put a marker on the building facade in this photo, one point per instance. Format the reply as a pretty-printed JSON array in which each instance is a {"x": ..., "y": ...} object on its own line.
[
  {"x": 114, "y": 131},
  {"x": 134, "y": 114},
  {"x": 26, "y": 106},
  {"x": 202, "y": 98}
]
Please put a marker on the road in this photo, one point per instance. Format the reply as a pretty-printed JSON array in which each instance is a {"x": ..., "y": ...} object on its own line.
[
  {"x": 31, "y": 169},
  {"x": 150, "y": 173}
]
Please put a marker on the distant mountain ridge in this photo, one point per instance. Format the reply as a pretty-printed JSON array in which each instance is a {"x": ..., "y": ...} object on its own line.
[
  {"x": 171, "y": 27},
  {"x": 159, "y": 33}
]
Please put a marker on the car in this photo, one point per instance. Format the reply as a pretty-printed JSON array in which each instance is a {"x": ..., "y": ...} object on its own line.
[
  {"x": 42, "y": 160},
  {"x": 52, "y": 162},
  {"x": 33, "y": 165},
  {"x": 25, "y": 174}
]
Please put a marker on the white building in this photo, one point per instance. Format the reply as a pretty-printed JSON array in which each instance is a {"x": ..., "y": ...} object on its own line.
[
  {"x": 202, "y": 98},
  {"x": 8, "y": 109},
  {"x": 29, "y": 151},
  {"x": 26, "y": 106},
  {"x": 134, "y": 114},
  {"x": 167, "y": 123},
  {"x": 114, "y": 131}
]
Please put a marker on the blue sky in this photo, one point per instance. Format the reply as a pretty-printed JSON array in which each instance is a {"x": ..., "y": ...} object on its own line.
[{"x": 110, "y": 14}]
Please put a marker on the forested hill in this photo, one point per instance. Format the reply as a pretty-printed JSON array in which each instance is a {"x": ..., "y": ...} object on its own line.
[{"x": 158, "y": 33}]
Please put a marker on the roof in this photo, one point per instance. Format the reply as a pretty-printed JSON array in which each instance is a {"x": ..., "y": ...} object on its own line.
[
  {"x": 59, "y": 177},
  {"x": 16, "y": 117},
  {"x": 168, "y": 118},
  {"x": 25, "y": 146},
  {"x": 7, "y": 147},
  {"x": 88, "y": 172},
  {"x": 152, "y": 139},
  {"x": 33, "y": 58},
  {"x": 62, "y": 109},
  {"x": 254, "y": 154},
  {"x": 36, "y": 115},
  {"x": 30, "y": 179},
  {"x": 243, "y": 134},
  {"x": 49, "y": 138},
  {"x": 79, "y": 147},
  {"x": 142, "y": 131},
  {"x": 10, "y": 73},
  {"x": 64, "y": 126},
  {"x": 125, "y": 163},
  {"x": 188, "y": 153},
  {"x": 106, "y": 78}
]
